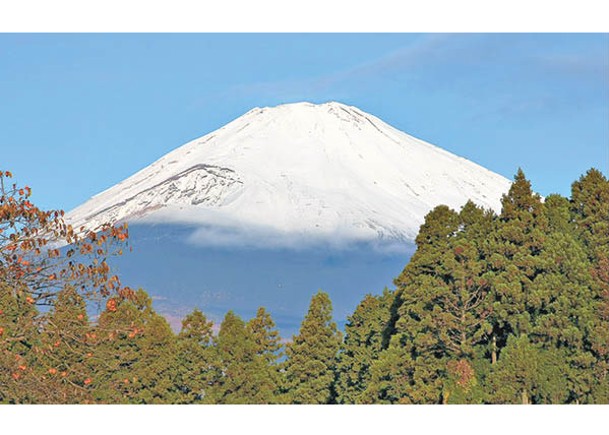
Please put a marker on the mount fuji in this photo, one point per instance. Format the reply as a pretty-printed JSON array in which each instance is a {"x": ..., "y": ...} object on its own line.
[{"x": 278, "y": 203}]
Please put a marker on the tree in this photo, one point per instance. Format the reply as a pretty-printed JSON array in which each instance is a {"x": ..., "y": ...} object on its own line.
[
  {"x": 268, "y": 346},
  {"x": 134, "y": 362},
  {"x": 391, "y": 378},
  {"x": 526, "y": 374},
  {"x": 310, "y": 368},
  {"x": 246, "y": 377},
  {"x": 42, "y": 258},
  {"x": 67, "y": 346},
  {"x": 445, "y": 301},
  {"x": 590, "y": 213},
  {"x": 560, "y": 299},
  {"x": 365, "y": 338},
  {"x": 265, "y": 335},
  {"x": 19, "y": 338},
  {"x": 516, "y": 246},
  {"x": 196, "y": 369},
  {"x": 30, "y": 256}
]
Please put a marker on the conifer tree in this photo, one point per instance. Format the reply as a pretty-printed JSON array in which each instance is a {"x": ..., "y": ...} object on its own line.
[
  {"x": 196, "y": 370},
  {"x": 560, "y": 300},
  {"x": 392, "y": 376},
  {"x": 310, "y": 368},
  {"x": 516, "y": 246},
  {"x": 365, "y": 338},
  {"x": 67, "y": 348},
  {"x": 246, "y": 377},
  {"x": 445, "y": 304},
  {"x": 590, "y": 211},
  {"x": 268, "y": 347},
  {"x": 19, "y": 340},
  {"x": 134, "y": 361},
  {"x": 527, "y": 374},
  {"x": 265, "y": 335}
]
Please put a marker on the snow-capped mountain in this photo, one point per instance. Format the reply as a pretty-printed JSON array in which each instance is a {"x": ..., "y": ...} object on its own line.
[{"x": 326, "y": 171}]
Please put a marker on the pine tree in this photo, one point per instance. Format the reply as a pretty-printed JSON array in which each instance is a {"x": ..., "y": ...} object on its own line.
[
  {"x": 310, "y": 368},
  {"x": 590, "y": 208}
]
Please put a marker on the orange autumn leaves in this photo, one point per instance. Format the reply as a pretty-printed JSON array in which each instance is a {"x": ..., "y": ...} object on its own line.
[
  {"x": 32, "y": 257},
  {"x": 42, "y": 256}
]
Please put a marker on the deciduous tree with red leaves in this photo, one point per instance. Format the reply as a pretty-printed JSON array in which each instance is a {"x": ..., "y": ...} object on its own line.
[{"x": 42, "y": 256}]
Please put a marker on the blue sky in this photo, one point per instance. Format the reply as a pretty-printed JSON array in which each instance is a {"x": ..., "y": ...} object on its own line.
[{"x": 81, "y": 112}]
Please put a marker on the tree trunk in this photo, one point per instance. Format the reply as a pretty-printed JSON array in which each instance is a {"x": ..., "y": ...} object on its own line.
[
  {"x": 494, "y": 350},
  {"x": 525, "y": 397},
  {"x": 445, "y": 397}
]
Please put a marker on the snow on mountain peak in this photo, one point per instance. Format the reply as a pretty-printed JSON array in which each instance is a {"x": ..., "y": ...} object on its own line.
[{"x": 317, "y": 171}]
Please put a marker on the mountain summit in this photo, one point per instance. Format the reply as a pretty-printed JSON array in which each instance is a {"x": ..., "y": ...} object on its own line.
[{"x": 327, "y": 171}]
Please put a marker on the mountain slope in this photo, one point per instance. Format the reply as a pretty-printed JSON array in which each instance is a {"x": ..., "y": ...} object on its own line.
[{"x": 314, "y": 172}]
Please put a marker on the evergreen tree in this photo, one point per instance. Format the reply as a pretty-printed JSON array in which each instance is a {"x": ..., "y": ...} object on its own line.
[
  {"x": 246, "y": 377},
  {"x": 365, "y": 338},
  {"x": 135, "y": 358},
  {"x": 590, "y": 208},
  {"x": 516, "y": 246},
  {"x": 68, "y": 346},
  {"x": 391, "y": 378},
  {"x": 560, "y": 300},
  {"x": 19, "y": 341},
  {"x": 590, "y": 211},
  {"x": 268, "y": 347},
  {"x": 265, "y": 335},
  {"x": 196, "y": 369},
  {"x": 445, "y": 304},
  {"x": 526, "y": 374},
  {"x": 310, "y": 368}
]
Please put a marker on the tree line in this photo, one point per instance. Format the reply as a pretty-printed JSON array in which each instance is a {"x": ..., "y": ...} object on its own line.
[{"x": 491, "y": 308}]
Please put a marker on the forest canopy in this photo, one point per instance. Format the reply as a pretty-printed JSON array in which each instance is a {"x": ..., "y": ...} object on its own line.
[{"x": 491, "y": 308}]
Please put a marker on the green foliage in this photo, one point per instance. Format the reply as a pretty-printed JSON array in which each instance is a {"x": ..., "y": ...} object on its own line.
[
  {"x": 445, "y": 304},
  {"x": 504, "y": 309},
  {"x": 590, "y": 210},
  {"x": 391, "y": 378},
  {"x": 516, "y": 245},
  {"x": 590, "y": 206},
  {"x": 527, "y": 374},
  {"x": 265, "y": 335},
  {"x": 490, "y": 309},
  {"x": 310, "y": 368},
  {"x": 195, "y": 365},
  {"x": 269, "y": 349},
  {"x": 245, "y": 373},
  {"x": 67, "y": 349},
  {"x": 19, "y": 340},
  {"x": 134, "y": 359},
  {"x": 365, "y": 338}
]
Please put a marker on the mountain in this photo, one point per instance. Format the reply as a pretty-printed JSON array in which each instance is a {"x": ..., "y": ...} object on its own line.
[
  {"x": 281, "y": 202},
  {"x": 297, "y": 173}
]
